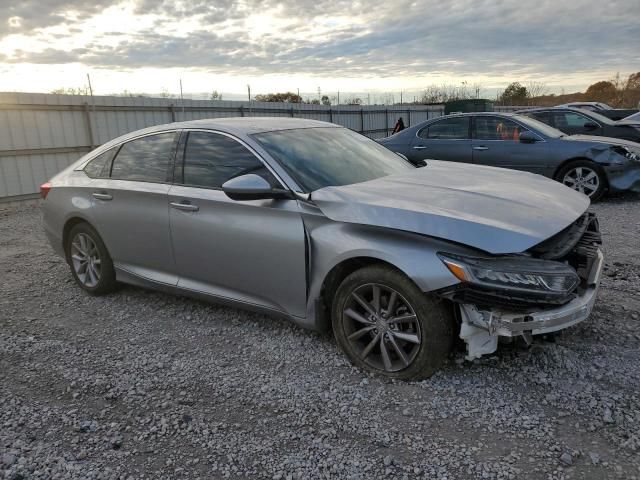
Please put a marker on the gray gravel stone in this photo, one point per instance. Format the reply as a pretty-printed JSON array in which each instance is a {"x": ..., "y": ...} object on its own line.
[{"x": 185, "y": 389}]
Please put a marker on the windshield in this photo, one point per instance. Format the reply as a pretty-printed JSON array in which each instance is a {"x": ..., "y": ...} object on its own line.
[
  {"x": 539, "y": 127},
  {"x": 635, "y": 116},
  {"x": 328, "y": 156}
]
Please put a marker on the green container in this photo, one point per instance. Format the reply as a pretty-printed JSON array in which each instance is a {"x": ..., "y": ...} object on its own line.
[{"x": 462, "y": 106}]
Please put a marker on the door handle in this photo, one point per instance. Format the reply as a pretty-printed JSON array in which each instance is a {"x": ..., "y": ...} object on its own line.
[
  {"x": 481, "y": 148},
  {"x": 186, "y": 207},
  {"x": 102, "y": 196},
  {"x": 419, "y": 147}
]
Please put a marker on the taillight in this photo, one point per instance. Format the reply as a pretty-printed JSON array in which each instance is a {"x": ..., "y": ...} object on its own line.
[{"x": 45, "y": 188}]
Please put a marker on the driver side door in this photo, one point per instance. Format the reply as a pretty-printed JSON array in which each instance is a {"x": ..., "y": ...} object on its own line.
[{"x": 247, "y": 251}]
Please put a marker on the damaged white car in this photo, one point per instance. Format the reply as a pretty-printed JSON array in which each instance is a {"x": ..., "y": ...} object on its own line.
[{"x": 321, "y": 225}]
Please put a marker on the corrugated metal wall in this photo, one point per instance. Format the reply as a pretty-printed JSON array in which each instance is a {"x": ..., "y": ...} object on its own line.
[{"x": 40, "y": 134}]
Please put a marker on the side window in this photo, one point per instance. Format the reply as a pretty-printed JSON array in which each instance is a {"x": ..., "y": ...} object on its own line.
[
  {"x": 211, "y": 159},
  {"x": 570, "y": 119},
  {"x": 145, "y": 159},
  {"x": 100, "y": 165},
  {"x": 496, "y": 128},
  {"x": 544, "y": 117},
  {"x": 448, "y": 129}
]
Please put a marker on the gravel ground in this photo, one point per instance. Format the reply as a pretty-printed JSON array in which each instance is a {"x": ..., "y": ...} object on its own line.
[{"x": 140, "y": 384}]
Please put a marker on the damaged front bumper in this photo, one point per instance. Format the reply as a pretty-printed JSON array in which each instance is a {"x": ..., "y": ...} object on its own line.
[{"x": 480, "y": 329}]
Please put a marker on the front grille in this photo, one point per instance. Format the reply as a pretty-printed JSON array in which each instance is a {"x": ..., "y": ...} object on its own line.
[
  {"x": 576, "y": 245},
  {"x": 482, "y": 297}
]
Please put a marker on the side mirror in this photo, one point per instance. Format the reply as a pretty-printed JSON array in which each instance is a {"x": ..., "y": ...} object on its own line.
[
  {"x": 590, "y": 126},
  {"x": 251, "y": 187},
  {"x": 528, "y": 137}
]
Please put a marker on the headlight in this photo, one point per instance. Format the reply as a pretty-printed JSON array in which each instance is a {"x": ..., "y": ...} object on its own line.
[
  {"x": 513, "y": 273},
  {"x": 631, "y": 154}
]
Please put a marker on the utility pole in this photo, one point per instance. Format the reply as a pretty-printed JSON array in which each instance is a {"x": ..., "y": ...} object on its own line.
[
  {"x": 338, "y": 97},
  {"x": 319, "y": 94},
  {"x": 93, "y": 103},
  {"x": 400, "y": 97},
  {"x": 182, "y": 99},
  {"x": 249, "y": 93}
]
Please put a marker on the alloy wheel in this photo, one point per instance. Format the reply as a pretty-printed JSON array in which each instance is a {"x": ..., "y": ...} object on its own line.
[
  {"x": 381, "y": 327},
  {"x": 86, "y": 261},
  {"x": 583, "y": 179}
]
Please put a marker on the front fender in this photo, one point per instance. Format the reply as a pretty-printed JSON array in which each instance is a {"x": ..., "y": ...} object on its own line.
[{"x": 332, "y": 243}]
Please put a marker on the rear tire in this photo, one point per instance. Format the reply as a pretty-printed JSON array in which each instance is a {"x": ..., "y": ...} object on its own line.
[
  {"x": 89, "y": 260},
  {"x": 584, "y": 176},
  {"x": 385, "y": 324}
]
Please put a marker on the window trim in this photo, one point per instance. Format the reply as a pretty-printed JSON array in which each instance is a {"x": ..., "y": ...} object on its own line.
[
  {"x": 528, "y": 129},
  {"x": 181, "y": 158},
  {"x": 446, "y": 117}
]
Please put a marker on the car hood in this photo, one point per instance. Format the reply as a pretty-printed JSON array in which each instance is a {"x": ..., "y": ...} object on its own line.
[
  {"x": 492, "y": 209},
  {"x": 604, "y": 142}
]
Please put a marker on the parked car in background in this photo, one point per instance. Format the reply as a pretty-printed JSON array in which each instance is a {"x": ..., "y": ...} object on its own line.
[
  {"x": 593, "y": 106},
  {"x": 321, "y": 225},
  {"x": 602, "y": 108},
  {"x": 591, "y": 165},
  {"x": 574, "y": 121}
]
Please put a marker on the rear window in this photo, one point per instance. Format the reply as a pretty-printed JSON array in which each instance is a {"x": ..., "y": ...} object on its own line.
[
  {"x": 448, "y": 129},
  {"x": 145, "y": 159},
  {"x": 99, "y": 166}
]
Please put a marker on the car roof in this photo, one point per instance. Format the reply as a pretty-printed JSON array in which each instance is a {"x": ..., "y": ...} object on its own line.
[
  {"x": 471, "y": 114},
  {"x": 238, "y": 126},
  {"x": 580, "y": 103},
  {"x": 248, "y": 125},
  {"x": 557, "y": 107}
]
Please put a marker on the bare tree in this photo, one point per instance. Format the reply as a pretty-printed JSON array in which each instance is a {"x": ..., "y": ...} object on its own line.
[
  {"x": 71, "y": 91},
  {"x": 535, "y": 90}
]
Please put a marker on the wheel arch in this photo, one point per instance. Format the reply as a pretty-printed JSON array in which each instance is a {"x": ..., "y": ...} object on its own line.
[
  {"x": 69, "y": 224},
  {"x": 336, "y": 275},
  {"x": 579, "y": 159}
]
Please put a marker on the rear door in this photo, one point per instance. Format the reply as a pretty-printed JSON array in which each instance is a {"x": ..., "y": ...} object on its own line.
[
  {"x": 129, "y": 204},
  {"x": 445, "y": 139},
  {"x": 496, "y": 143},
  {"x": 250, "y": 251}
]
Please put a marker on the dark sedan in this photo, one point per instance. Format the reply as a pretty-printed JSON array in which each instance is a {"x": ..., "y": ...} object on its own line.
[
  {"x": 574, "y": 121},
  {"x": 591, "y": 165}
]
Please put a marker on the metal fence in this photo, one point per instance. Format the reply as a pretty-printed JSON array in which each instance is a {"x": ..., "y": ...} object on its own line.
[{"x": 41, "y": 134}]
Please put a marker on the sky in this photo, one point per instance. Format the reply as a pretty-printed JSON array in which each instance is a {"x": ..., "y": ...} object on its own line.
[{"x": 370, "y": 47}]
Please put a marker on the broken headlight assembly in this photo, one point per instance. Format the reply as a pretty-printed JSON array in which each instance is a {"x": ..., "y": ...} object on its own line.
[
  {"x": 627, "y": 152},
  {"x": 523, "y": 276}
]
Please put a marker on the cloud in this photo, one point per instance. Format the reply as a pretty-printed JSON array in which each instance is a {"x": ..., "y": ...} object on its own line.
[
  {"x": 23, "y": 16},
  {"x": 328, "y": 38}
]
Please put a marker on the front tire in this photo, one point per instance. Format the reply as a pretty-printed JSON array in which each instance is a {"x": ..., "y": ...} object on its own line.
[
  {"x": 385, "y": 324},
  {"x": 89, "y": 260},
  {"x": 585, "y": 177}
]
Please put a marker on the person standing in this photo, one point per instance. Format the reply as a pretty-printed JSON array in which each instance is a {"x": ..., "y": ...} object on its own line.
[{"x": 398, "y": 127}]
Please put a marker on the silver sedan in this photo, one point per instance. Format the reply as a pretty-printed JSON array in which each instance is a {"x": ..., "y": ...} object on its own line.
[{"x": 316, "y": 223}]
